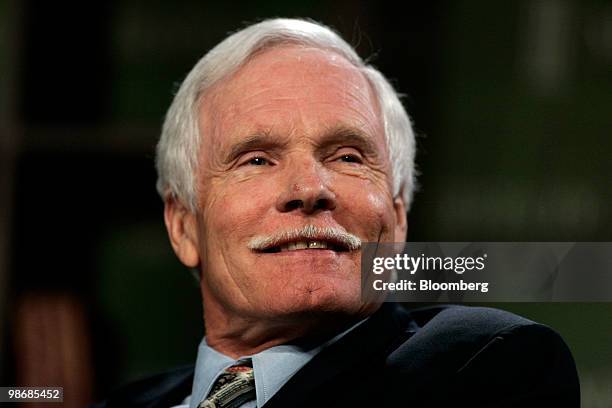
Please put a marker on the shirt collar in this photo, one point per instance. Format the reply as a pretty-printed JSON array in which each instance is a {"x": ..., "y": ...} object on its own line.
[{"x": 209, "y": 364}]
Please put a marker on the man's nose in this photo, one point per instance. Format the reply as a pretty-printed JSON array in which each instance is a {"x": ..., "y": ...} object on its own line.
[{"x": 306, "y": 190}]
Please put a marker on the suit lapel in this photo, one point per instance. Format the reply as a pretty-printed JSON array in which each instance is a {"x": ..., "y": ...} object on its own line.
[{"x": 346, "y": 361}]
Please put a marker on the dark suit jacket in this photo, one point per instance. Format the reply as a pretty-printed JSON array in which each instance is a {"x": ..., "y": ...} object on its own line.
[{"x": 431, "y": 357}]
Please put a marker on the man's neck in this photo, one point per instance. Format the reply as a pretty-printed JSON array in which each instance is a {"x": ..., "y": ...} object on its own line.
[{"x": 239, "y": 337}]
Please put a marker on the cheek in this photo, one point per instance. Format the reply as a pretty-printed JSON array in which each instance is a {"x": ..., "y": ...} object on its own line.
[
  {"x": 234, "y": 214},
  {"x": 230, "y": 218},
  {"x": 378, "y": 203},
  {"x": 370, "y": 214},
  {"x": 382, "y": 210}
]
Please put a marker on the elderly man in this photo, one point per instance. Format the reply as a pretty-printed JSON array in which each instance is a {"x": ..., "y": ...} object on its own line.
[{"x": 281, "y": 153}]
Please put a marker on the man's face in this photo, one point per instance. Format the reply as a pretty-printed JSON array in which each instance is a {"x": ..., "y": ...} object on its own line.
[{"x": 292, "y": 139}]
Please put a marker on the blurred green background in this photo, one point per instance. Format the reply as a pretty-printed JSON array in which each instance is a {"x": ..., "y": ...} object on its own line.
[{"x": 512, "y": 102}]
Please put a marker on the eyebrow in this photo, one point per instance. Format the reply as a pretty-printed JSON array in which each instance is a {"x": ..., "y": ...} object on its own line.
[
  {"x": 342, "y": 134},
  {"x": 260, "y": 140}
]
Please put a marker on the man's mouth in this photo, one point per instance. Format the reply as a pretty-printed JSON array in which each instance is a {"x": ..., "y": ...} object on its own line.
[{"x": 301, "y": 245}]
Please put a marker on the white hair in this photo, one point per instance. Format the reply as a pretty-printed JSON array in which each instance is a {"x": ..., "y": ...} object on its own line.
[
  {"x": 179, "y": 145},
  {"x": 350, "y": 241}
]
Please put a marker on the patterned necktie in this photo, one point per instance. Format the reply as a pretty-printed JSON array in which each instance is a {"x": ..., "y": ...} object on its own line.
[{"x": 234, "y": 386}]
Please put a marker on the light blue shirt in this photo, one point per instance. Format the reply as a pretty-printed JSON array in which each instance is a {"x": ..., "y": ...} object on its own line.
[{"x": 272, "y": 368}]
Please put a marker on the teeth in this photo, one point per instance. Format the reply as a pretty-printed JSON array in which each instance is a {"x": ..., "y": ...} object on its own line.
[
  {"x": 317, "y": 244},
  {"x": 293, "y": 246}
]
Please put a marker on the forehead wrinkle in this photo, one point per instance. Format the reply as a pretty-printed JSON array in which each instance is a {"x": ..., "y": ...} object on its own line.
[
  {"x": 316, "y": 66},
  {"x": 324, "y": 66}
]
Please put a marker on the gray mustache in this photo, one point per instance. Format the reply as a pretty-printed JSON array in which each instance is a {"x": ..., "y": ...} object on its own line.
[{"x": 352, "y": 242}]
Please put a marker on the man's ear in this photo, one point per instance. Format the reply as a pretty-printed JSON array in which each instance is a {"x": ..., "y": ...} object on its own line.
[
  {"x": 182, "y": 231},
  {"x": 401, "y": 219}
]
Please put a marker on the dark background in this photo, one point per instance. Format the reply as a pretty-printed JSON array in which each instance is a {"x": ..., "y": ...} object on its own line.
[{"x": 512, "y": 102}]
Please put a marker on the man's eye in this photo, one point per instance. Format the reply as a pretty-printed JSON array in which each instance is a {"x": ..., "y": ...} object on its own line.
[
  {"x": 349, "y": 158},
  {"x": 258, "y": 161}
]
